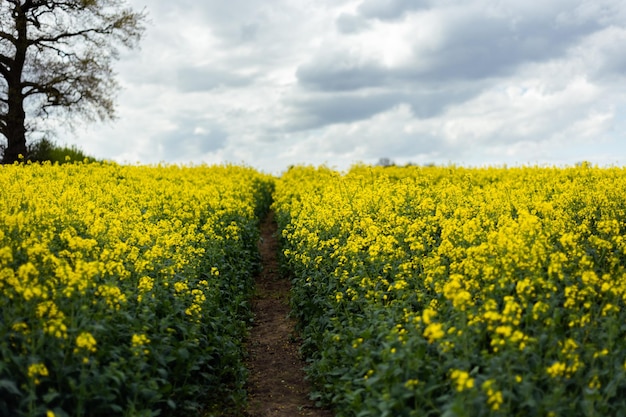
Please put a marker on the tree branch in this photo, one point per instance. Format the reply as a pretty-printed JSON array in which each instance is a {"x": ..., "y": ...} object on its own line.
[
  {"x": 5, "y": 63},
  {"x": 8, "y": 37},
  {"x": 62, "y": 36},
  {"x": 37, "y": 88},
  {"x": 60, "y": 52},
  {"x": 3, "y": 124}
]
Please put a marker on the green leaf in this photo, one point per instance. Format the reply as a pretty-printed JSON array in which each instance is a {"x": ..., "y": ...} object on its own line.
[
  {"x": 9, "y": 386},
  {"x": 50, "y": 396}
]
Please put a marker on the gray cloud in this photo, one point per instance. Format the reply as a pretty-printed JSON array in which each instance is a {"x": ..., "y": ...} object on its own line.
[
  {"x": 351, "y": 24},
  {"x": 318, "y": 111},
  {"x": 474, "y": 46},
  {"x": 191, "y": 79},
  {"x": 478, "y": 46},
  {"x": 249, "y": 31},
  {"x": 337, "y": 71},
  {"x": 233, "y": 20},
  {"x": 431, "y": 102},
  {"x": 476, "y": 51},
  {"x": 390, "y": 9},
  {"x": 386, "y": 134},
  {"x": 191, "y": 136}
]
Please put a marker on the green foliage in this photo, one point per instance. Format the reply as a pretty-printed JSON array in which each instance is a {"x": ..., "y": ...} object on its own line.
[{"x": 45, "y": 150}]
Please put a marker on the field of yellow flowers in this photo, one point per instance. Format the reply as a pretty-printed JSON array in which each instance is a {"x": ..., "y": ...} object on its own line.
[
  {"x": 123, "y": 288},
  {"x": 448, "y": 291}
]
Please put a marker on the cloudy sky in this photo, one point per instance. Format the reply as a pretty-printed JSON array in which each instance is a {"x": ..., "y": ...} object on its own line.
[{"x": 279, "y": 82}]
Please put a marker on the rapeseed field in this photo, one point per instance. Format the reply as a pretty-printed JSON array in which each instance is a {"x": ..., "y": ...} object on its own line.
[
  {"x": 449, "y": 291},
  {"x": 419, "y": 291},
  {"x": 123, "y": 289}
]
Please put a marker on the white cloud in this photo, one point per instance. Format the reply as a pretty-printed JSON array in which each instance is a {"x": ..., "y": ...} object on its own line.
[{"x": 285, "y": 82}]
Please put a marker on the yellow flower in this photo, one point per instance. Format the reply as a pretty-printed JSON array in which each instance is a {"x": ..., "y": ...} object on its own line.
[
  {"x": 139, "y": 340},
  {"x": 411, "y": 383},
  {"x": 428, "y": 314},
  {"x": 56, "y": 327},
  {"x": 601, "y": 353},
  {"x": 113, "y": 296},
  {"x": 193, "y": 310},
  {"x": 180, "y": 286},
  {"x": 595, "y": 384},
  {"x": 434, "y": 332},
  {"x": 85, "y": 342},
  {"x": 145, "y": 284},
  {"x": 37, "y": 370},
  {"x": 494, "y": 396},
  {"x": 462, "y": 380},
  {"x": 139, "y": 344},
  {"x": 557, "y": 369},
  {"x": 20, "y": 327}
]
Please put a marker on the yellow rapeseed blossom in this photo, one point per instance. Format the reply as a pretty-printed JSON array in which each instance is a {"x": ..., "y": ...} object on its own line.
[
  {"x": 145, "y": 284},
  {"x": 434, "y": 332},
  {"x": 194, "y": 310},
  {"x": 37, "y": 370},
  {"x": 494, "y": 396},
  {"x": 594, "y": 383},
  {"x": 20, "y": 327},
  {"x": 557, "y": 369},
  {"x": 462, "y": 380},
  {"x": 411, "y": 383},
  {"x": 427, "y": 315},
  {"x": 112, "y": 295},
  {"x": 56, "y": 327},
  {"x": 180, "y": 287},
  {"x": 139, "y": 340},
  {"x": 85, "y": 342}
]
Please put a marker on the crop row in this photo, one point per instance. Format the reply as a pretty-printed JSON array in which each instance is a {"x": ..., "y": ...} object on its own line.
[
  {"x": 123, "y": 290},
  {"x": 445, "y": 291}
]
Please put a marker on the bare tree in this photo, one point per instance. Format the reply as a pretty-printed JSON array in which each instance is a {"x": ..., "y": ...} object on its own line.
[
  {"x": 385, "y": 162},
  {"x": 56, "y": 58}
]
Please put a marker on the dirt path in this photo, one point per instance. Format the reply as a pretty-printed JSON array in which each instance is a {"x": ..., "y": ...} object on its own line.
[{"x": 276, "y": 385}]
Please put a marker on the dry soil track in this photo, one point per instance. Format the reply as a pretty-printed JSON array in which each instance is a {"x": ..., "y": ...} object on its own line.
[{"x": 276, "y": 384}]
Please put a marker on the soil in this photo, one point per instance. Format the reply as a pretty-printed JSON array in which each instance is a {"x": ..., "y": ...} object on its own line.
[{"x": 276, "y": 381}]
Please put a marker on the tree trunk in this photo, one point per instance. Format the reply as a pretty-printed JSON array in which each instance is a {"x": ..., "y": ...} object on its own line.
[
  {"x": 16, "y": 133},
  {"x": 16, "y": 116}
]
